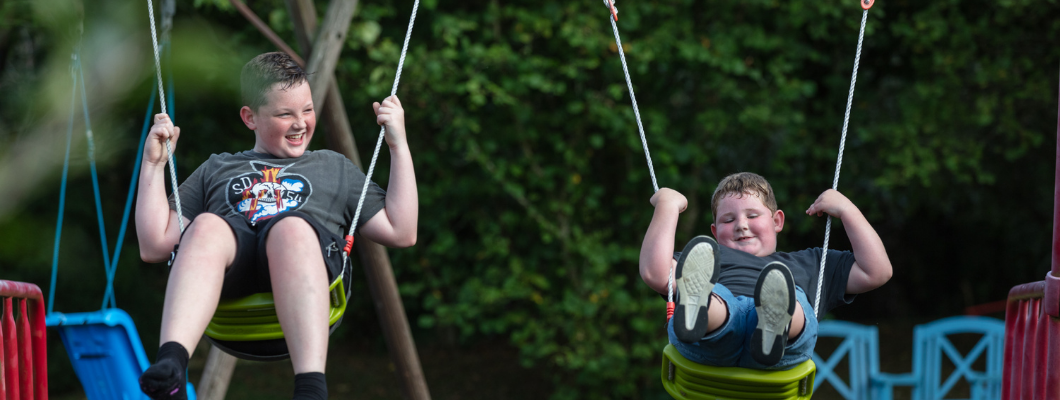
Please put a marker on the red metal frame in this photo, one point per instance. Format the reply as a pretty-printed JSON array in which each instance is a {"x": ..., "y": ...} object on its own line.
[
  {"x": 1032, "y": 323},
  {"x": 23, "y": 355},
  {"x": 1032, "y": 346}
]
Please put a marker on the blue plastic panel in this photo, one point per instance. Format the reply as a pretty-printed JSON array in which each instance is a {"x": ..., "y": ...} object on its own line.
[{"x": 106, "y": 352}]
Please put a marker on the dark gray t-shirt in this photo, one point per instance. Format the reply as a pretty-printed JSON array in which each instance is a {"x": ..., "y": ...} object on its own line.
[
  {"x": 740, "y": 270},
  {"x": 323, "y": 184}
]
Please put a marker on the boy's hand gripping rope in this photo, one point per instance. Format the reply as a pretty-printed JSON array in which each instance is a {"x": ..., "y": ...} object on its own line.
[
  {"x": 865, "y": 4},
  {"x": 610, "y": 4},
  {"x": 162, "y": 101},
  {"x": 379, "y": 141}
]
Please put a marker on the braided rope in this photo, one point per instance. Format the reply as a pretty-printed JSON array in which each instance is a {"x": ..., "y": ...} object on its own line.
[
  {"x": 839, "y": 161},
  {"x": 76, "y": 62},
  {"x": 640, "y": 126},
  {"x": 633, "y": 97},
  {"x": 162, "y": 101},
  {"x": 108, "y": 266},
  {"x": 382, "y": 130}
]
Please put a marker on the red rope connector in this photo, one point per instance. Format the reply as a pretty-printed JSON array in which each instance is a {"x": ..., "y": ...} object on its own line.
[
  {"x": 349, "y": 244},
  {"x": 669, "y": 310},
  {"x": 614, "y": 11},
  {"x": 867, "y": 4}
]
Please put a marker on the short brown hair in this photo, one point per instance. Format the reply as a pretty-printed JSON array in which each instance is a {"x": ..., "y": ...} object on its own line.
[
  {"x": 265, "y": 70},
  {"x": 743, "y": 183}
]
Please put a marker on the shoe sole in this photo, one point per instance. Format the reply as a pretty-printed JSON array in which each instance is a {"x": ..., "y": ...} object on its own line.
[
  {"x": 696, "y": 273},
  {"x": 775, "y": 305}
]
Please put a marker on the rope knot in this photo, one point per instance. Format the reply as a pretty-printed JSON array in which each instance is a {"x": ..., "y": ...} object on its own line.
[{"x": 614, "y": 11}]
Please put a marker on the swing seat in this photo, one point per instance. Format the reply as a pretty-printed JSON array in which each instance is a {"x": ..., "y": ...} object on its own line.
[
  {"x": 248, "y": 327},
  {"x": 684, "y": 379},
  {"x": 106, "y": 352}
]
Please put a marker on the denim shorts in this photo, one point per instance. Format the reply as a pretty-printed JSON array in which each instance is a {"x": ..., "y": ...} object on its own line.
[{"x": 730, "y": 345}]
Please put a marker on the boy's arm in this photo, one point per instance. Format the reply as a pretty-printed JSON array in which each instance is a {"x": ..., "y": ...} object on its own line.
[
  {"x": 657, "y": 251},
  {"x": 395, "y": 225},
  {"x": 872, "y": 267},
  {"x": 156, "y": 225}
]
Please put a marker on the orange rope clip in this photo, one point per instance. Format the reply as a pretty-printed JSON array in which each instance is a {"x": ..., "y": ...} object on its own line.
[
  {"x": 614, "y": 11},
  {"x": 349, "y": 244},
  {"x": 669, "y": 310},
  {"x": 867, "y": 4}
]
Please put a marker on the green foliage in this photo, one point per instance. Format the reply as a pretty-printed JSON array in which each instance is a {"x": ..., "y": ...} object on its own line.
[{"x": 533, "y": 182}]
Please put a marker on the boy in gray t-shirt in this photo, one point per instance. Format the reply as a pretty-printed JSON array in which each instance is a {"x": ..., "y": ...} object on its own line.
[
  {"x": 740, "y": 302},
  {"x": 266, "y": 219}
]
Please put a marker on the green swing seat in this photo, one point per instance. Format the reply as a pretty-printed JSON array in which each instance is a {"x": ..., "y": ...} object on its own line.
[
  {"x": 684, "y": 379},
  {"x": 248, "y": 327}
]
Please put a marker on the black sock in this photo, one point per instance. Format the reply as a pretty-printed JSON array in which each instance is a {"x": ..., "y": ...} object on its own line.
[
  {"x": 310, "y": 386},
  {"x": 165, "y": 379}
]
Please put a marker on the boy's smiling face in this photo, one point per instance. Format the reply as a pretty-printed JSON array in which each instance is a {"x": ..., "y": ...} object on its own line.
[
  {"x": 285, "y": 123},
  {"x": 744, "y": 223}
]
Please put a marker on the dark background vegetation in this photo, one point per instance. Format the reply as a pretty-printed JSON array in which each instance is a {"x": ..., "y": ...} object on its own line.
[{"x": 533, "y": 185}]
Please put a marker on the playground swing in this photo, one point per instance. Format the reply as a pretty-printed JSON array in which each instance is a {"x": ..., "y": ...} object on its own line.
[
  {"x": 248, "y": 327},
  {"x": 104, "y": 346},
  {"x": 688, "y": 380}
]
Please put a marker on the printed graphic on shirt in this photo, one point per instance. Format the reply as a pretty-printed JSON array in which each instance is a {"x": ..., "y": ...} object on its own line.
[{"x": 268, "y": 191}]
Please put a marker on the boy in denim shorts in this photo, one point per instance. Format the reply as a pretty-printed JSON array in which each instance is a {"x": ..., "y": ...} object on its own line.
[
  {"x": 742, "y": 303},
  {"x": 269, "y": 219}
]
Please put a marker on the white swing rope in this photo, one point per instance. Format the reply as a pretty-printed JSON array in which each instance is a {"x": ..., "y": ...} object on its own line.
[
  {"x": 382, "y": 133},
  {"x": 162, "y": 101},
  {"x": 629, "y": 83},
  {"x": 640, "y": 127},
  {"x": 839, "y": 162}
]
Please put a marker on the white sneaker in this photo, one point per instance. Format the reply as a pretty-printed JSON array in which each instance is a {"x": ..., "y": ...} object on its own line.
[
  {"x": 775, "y": 305},
  {"x": 696, "y": 273}
]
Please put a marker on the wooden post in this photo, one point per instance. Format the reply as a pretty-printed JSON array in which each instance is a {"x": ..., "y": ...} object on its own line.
[
  {"x": 373, "y": 256},
  {"x": 216, "y": 376}
]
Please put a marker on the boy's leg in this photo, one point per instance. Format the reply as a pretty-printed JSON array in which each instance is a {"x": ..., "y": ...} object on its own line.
[
  {"x": 724, "y": 346},
  {"x": 300, "y": 288},
  {"x": 775, "y": 305},
  {"x": 207, "y": 248},
  {"x": 696, "y": 274},
  {"x": 798, "y": 321}
]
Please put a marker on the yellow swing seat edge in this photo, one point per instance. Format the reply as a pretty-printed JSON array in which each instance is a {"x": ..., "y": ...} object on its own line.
[
  {"x": 253, "y": 318},
  {"x": 695, "y": 381}
]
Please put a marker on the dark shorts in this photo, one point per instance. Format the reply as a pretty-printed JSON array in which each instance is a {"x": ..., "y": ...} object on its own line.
[{"x": 249, "y": 273}]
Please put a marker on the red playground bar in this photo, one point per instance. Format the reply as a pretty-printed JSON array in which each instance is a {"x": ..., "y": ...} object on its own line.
[
  {"x": 23, "y": 355},
  {"x": 1032, "y": 325}
]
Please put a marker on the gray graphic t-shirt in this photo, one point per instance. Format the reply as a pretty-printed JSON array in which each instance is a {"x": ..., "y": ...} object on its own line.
[
  {"x": 323, "y": 184},
  {"x": 740, "y": 270}
]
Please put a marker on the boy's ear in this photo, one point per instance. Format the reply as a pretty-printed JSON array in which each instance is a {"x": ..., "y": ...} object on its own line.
[
  {"x": 713, "y": 231},
  {"x": 778, "y": 220},
  {"x": 248, "y": 117}
]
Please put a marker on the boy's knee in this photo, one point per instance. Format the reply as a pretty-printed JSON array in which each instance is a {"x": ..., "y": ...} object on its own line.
[
  {"x": 210, "y": 225},
  {"x": 292, "y": 231},
  {"x": 293, "y": 236},
  {"x": 207, "y": 236}
]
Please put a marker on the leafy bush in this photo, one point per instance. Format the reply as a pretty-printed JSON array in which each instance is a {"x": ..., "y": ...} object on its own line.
[{"x": 533, "y": 182}]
